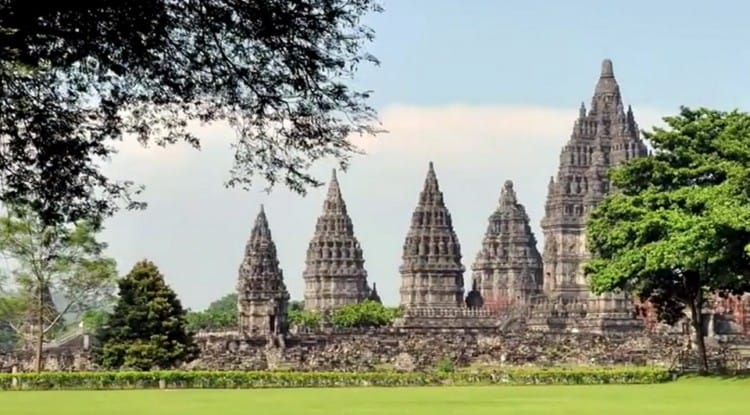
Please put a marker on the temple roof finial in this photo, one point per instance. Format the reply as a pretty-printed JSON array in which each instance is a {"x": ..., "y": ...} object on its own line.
[
  {"x": 431, "y": 183},
  {"x": 334, "y": 199},
  {"x": 607, "y": 71},
  {"x": 508, "y": 195},
  {"x": 261, "y": 223}
]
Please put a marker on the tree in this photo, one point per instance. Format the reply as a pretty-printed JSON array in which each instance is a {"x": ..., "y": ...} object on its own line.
[
  {"x": 220, "y": 315},
  {"x": 76, "y": 79},
  {"x": 677, "y": 230},
  {"x": 45, "y": 261},
  {"x": 147, "y": 328}
]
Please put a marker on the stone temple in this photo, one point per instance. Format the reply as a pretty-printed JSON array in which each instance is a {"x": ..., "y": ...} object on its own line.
[
  {"x": 335, "y": 274},
  {"x": 509, "y": 276},
  {"x": 508, "y": 267},
  {"x": 431, "y": 272},
  {"x": 602, "y": 137},
  {"x": 262, "y": 297}
]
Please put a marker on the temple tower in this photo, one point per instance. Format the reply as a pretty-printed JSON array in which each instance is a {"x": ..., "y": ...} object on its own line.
[
  {"x": 334, "y": 274},
  {"x": 602, "y": 137},
  {"x": 262, "y": 296},
  {"x": 508, "y": 268},
  {"x": 431, "y": 272}
]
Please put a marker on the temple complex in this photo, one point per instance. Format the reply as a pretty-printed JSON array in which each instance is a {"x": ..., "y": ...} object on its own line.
[
  {"x": 431, "y": 273},
  {"x": 508, "y": 268},
  {"x": 602, "y": 137},
  {"x": 262, "y": 296},
  {"x": 335, "y": 274},
  {"x": 510, "y": 280}
]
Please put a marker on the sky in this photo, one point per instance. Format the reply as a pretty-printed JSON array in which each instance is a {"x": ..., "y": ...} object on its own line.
[{"x": 488, "y": 90}]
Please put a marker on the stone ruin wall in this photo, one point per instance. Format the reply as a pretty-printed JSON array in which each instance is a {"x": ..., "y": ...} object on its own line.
[
  {"x": 397, "y": 349},
  {"x": 543, "y": 338},
  {"x": 416, "y": 350}
]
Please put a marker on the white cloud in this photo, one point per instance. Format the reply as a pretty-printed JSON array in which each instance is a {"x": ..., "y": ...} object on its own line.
[{"x": 195, "y": 229}]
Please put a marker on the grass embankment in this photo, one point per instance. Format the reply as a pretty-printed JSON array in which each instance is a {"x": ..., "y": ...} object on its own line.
[{"x": 690, "y": 396}]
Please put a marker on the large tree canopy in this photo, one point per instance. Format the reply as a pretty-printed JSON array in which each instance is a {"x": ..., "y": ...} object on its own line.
[
  {"x": 75, "y": 78},
  {"x": 678, "y": 228}
]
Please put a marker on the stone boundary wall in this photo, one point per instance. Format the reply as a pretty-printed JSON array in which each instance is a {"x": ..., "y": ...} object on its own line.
[{"x": 409, "y": 350}]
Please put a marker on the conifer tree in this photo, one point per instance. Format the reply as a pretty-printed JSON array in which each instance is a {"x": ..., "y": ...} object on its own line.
[{"x": 147, "y": 328}]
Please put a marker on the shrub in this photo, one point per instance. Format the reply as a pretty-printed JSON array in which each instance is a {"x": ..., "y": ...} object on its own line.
[
  {"x": 445, "y": 365},
  {"x": 304, "y": 318},
  {"x": 220, "y": 380},
  {"x": 365, "y": 314}
]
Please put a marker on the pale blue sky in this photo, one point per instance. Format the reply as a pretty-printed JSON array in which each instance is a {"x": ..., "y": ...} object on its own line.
[{"x": 487, "y": 89}]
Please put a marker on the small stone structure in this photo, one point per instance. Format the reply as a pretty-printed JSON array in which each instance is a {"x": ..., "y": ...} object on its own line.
[
  {"x": 335, "y": 274},
  {"x": 262, "y": 297}
]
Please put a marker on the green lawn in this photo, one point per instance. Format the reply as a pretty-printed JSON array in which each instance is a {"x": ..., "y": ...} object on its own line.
[{"x": 685, "y": 397}]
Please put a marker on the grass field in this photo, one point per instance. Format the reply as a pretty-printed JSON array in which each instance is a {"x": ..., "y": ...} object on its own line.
[{"x": 684, "y": 397}]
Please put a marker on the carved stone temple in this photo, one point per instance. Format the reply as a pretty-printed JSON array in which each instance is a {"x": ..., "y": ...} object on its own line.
[
  {"x": 262, "y": 296},
  {"x": 508, "y": 268},
  {"x": 602, "y": 137},
  {"x": 510, "y": 280},
  {"x": 335, "y": 274},
  {"x": 431, "y": 272}
]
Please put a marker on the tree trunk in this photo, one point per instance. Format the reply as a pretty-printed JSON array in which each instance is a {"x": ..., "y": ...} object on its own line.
[
  {"x": 40, "y": 328},
  {"x": 696, "y": 318}
]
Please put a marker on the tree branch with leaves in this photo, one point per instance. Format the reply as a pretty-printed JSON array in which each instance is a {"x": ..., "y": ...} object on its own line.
[{"x": 77, "y": 79}]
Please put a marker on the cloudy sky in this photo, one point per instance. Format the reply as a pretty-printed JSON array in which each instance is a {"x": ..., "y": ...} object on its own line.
[{"x": 488, "y": 90}]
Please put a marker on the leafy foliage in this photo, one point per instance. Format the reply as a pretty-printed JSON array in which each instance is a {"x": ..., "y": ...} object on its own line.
[
  {"x": 94, "y": 320},
  {"x": 304, "y": 318},
  {"x": 11, "y": 307},
  {"x": 75, "y": 79},
  {"x": 147, "y": 328},
  {"x": 220, "y": 315},
  {"x": 678, "y": 229},
  {"x": 445, "y": 365},
  {"x": 65, "y": 261},
  {"x": 267, "y": 379},
  {"x": 364, "y": 314}
]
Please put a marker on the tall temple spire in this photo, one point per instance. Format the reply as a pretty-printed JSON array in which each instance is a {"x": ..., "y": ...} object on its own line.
[
  {"x": 431, "y": 272},
  {"x": 603, "y": 138},
  {"x": 334, "y": 274},
  {"x": 508, "y": 266},
  {"x": 261, "y": 292}
]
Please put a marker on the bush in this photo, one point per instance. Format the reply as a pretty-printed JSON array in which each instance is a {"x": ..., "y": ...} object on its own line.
[
  {"x": 445, "y": 365},
  {"x": 304, "y": 318},
  {"x": 245, "y": 380},
  {"x": 365, "y": 314}
]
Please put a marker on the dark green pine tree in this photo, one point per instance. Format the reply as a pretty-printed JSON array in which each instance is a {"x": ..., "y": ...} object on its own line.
[{"x": 147, "y": 328}]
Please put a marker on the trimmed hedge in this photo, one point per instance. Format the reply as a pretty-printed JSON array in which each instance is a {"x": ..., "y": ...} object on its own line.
[{"x": 244, "y": 380}]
